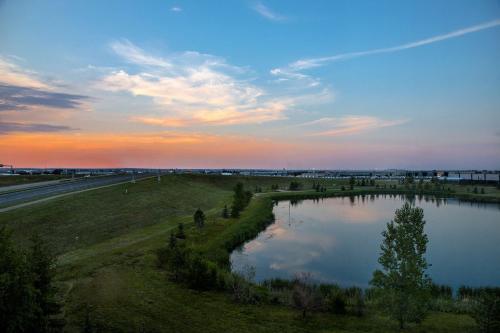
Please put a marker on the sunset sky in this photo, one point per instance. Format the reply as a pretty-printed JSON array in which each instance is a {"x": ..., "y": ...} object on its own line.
[{"x": 250, "y": 84}]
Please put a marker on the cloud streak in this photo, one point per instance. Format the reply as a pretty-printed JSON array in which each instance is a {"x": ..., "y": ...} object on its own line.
[
  {"x": 14, "y": 127},
  {"x": 15, "y": 98},
  {"x": 349, "y": 125},
  {"x": 267, "y": 13},
  {"x": 12, "y": 74},
  {"x": 308, "y": 63}
]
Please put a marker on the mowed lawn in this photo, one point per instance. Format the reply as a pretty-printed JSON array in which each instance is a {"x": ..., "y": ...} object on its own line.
[{"x": 106, "y": 241}]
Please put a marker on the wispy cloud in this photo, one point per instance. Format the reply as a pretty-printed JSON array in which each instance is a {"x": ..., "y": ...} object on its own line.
[
  {"x": 15, "y": 98},
  {"x": 15, "y": 127},
  {"x": 192, "y": 88},
  {"x": 267, "y": 13},
  {"x": 12, "y": 74},
  {"x": 176, "y": 9},
  {"x": 307, "y": 63},
  {"x": 348, "y": 125},
  {"x": 30, "y": 104},
  {"x": 132, "y": 54}
]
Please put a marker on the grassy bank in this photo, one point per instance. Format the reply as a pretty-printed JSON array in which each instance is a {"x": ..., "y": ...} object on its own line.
[
  {"x": 26, "y": 179},
  {"x": 106, "y": 241}
]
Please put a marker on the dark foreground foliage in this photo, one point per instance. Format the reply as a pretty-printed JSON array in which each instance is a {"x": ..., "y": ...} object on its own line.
[{"x": 27, "y": 296}]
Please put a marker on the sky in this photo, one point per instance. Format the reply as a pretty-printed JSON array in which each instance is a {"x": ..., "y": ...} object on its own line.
[{"x": 250, "y": 84}]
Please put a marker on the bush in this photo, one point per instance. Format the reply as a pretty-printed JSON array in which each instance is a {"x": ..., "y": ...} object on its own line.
[
  {"x": 200, "y": 275},
  {"x": 27, "y": 294},
  {"x": 305, "y": 296},
  {"x": 241, "y": 287},
  {"x": 336, "y": 303},
  {"x": 294, "y": 186},
  {"x": 487, "y": 312}
]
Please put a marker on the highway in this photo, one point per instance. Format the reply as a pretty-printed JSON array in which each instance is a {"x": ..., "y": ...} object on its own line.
[{"x": 16, "y": 197}]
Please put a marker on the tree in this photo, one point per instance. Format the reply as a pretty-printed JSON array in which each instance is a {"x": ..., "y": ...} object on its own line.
[
  {"x": 294, "y": 186},
  {"x": 26, "y": 291},
  {"x": 241, "y": 198},
  {"x": 172, "y": 241},
  {"x": 352, "y": 181},
  {"x": 408, "y": 180},
  {"x": 42, "y": 264},
  {"x": 180, "y": 231},
  {"x": 403, "y": 285},
  {"x": 225, "y": 212},
  {"x": 199, "y": 218}
]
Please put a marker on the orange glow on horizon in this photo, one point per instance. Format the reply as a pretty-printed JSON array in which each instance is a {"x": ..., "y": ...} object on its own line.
[{"x": 140, "y": 150}]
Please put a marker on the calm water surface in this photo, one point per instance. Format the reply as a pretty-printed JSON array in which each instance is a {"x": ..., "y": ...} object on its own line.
[{"x": 338, "y": 240}]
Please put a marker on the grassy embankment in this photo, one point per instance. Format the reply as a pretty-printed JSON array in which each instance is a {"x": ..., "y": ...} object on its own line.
[
  {"x": 106, "y": 242},
  {"x": 26, "y": 179}
]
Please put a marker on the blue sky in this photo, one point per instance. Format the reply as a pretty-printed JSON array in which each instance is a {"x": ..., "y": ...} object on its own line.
[{"x": 296, "y": 84}]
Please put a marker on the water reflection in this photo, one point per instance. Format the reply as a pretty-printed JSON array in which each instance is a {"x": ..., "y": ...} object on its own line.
[{"x": 338, "y": 239}]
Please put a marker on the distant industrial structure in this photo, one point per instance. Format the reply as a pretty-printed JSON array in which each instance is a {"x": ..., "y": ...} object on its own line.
[{"x": 484, "y": 176}]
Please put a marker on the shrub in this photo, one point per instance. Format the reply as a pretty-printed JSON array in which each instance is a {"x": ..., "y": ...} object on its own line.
[{"x": 487, "y": 312}]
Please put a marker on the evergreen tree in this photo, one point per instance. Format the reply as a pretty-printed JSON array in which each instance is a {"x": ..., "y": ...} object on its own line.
[
  {"x": 180, "y": 231},
  {"x": 26, "y": 291},
  {"x": 199, "y": 218},
  {"x": 172, "y": 241},
  {"x": 42, "y": 267},
  {"x": 225, "y": 212},
  {"x": 403, "y": 285}
]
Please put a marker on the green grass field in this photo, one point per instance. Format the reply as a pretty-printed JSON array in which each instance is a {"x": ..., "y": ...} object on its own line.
[
  {"x": 106, "y": 240},
  {"x": 26, "y": 179}
]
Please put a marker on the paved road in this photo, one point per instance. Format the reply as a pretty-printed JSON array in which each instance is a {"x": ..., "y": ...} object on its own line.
[{"x": 32, "y": 194}]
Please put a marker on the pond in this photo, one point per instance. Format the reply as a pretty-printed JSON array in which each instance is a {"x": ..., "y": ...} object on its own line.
[{"x": 338, "y": 240}]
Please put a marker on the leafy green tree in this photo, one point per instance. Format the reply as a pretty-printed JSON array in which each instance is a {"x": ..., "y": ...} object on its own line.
[
  {"x": 241, "y": 198},
  {"x": 199, "y": 218},
  {"x": 402, "y": 285},
  {"x": 294, "y": 186},
  {"x": 409, "y": 180}
]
